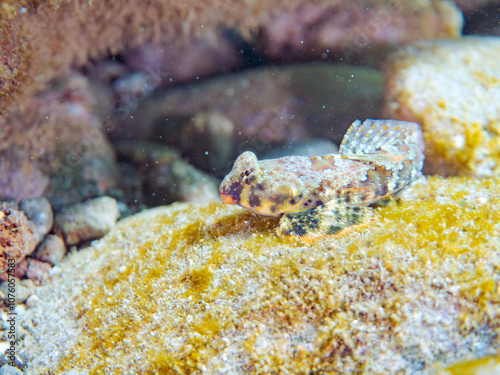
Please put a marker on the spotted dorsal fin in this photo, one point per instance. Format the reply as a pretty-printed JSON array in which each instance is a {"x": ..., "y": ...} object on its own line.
[{"x": 372, "y": 136}]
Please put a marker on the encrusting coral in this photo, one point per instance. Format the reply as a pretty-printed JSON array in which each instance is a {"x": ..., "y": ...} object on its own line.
[{"x": 190, "y": 288}]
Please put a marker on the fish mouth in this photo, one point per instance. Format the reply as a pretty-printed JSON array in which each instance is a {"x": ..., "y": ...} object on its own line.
[
  {"x": 231, "y": 194},
  {"x": 227, "y": 199}
]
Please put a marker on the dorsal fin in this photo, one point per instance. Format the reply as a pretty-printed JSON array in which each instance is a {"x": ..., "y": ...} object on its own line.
[{"x": 374, "y": 135}]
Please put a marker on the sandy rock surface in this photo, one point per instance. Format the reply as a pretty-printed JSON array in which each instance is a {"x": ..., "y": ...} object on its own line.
[
  {"x": 451, "y": 88},
  {"x": 211, "y": 288}
]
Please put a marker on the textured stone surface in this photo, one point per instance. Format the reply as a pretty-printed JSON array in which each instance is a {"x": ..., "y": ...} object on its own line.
[
  {"x": 350, "y": 30},
  {"x": 451, "y": 88},
  {"x": 51, "y": 250},
  {"x": 39, "y": 211},
  {"x": 22, "y": 291},
  {"x": 89, "y": 220},
  {"x": 213, "y": 289},
  {"x": 18, "y": 236},
  {"x": 163, "y": 176},
  {"x": 38, "y": 271},
  {"x": 56, "y": 147}
]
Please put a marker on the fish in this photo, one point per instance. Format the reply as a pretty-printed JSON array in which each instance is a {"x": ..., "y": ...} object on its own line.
[{"x": 323, "y": 196}]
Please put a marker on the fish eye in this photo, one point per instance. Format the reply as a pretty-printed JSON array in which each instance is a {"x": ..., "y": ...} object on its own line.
[{"x": 247, "y": 173}]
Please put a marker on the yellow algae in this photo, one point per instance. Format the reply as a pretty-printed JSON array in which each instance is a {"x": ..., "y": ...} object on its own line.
[
  {"x": 483, "y": 366},
  {"x": 199, "y": 279},
  {"x": 189, "y": 289},
  {"x": 456, "y": 114}
]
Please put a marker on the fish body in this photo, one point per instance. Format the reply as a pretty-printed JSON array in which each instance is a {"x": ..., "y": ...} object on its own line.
[{"x": 318, "y": 196}]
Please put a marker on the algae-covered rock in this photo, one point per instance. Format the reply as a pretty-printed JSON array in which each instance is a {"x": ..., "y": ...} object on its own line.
[
  {"x": 451, "y": 88},
  {"x": 212, "y": 289},
  {"x": 482, "y": 366}
]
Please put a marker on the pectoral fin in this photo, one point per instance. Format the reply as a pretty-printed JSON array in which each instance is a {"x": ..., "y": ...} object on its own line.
[{"x": 329, "y": 220}]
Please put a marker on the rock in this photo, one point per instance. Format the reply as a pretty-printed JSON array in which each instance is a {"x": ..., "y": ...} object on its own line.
[
  {"x": 20, "y": 334},
  {"x": 220, "y": 292},
  {"x": 27, "y": 283},
  {"x": 10, "y": 370},
  {"x": 22, "y": 291},
  {"x": 451, "y": 88},
  {"x": 173, "y": 62},
  {"x": 89, "y": 220},
  {"x": 39, "y": 211},
  {"x": 60, "y": 151},
  {"x": 19, "y": 270},
  {"x": 51, "y": 250},
  {"x": 20, "y": 310},
  {"x": 38, "y": 271},
  {"x": 18, "y": 236},
  {"x": 165, "y": 177},
  {"x": 260, "y": 109},
  {"x": 32, "y": 300},
  {"x": 349, "y": 30},
  {"x": 206, "y": 140},
  {"x": 363, "y": 23}
]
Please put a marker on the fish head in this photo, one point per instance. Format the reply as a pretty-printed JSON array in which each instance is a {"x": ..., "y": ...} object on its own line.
[{"x": 263, "y": 187}]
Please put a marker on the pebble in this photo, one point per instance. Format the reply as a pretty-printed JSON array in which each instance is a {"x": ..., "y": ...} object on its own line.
[
  {"x": 32, "y": 300},
  {"x": 38, "y": 270},
  {"x": 164, "y": 176},
  {"x": 51, "y": 250},
  {"x": 39, "y": 211},
  {"x": 20, "y": 361},
  {"x": 10, "y": 370},
  {"x": 20, "y": 333},
  {"x": 27, "y": 283},
  {"x": 89, "y": 220},
  {"x": 20, "y": 270},
  {"x": 22, "y": 292},
  {"x": 19, "y": 310},
  {"x": 3, "y": 347}
]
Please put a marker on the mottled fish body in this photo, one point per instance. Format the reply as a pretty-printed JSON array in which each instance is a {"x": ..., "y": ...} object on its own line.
[{"x": 323, "y": 195}]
